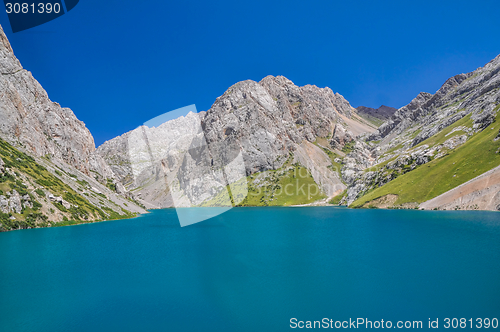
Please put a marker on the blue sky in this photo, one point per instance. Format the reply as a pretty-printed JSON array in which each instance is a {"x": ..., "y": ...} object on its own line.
[{"x": 117, "y": 64}]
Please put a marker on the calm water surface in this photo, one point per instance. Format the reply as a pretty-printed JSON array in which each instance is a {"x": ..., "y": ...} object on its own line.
[{"x": 251, "y": 269}]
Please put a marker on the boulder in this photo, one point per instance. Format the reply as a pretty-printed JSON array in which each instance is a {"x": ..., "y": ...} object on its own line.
[
  {"x": 120, "y": 188},
  {"x": 15, "y": 202},
  {"x": 4, "y": 204},
  {"x": 66, "y": 204},
  {"x": 455, "y": 141}
]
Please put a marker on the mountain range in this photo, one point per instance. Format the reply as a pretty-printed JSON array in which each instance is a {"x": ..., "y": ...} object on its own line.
[{"x": 261, "y": 143}]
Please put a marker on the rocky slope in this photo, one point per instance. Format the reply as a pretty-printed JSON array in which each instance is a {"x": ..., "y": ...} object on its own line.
[
  {"x": 434, "y": 144},
  {"x": 40, "y": 193},
  {"x": 254, "y": 127},
  {"x": 49, "y": 170},
  {"x": 30, "y": 119}
]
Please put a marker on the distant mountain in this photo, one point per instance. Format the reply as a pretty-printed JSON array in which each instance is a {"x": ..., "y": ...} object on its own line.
[{"x": 376, "y": 115}]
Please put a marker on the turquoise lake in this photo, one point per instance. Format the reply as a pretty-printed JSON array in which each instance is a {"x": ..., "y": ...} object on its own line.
[{"x": 251, "y": 269}]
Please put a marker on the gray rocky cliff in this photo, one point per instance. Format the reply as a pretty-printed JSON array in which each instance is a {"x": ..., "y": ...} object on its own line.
[
  {"x": 49, "y": 169},
  {"x": 44, "y": 128},
  {"x": 476, "y": 93}
]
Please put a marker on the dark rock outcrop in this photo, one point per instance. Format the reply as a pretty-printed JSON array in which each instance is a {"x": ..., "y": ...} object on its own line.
[{"x": 383, "y": 113}]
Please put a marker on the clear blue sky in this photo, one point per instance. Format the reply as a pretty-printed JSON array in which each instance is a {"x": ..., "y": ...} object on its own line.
[{"x": 119, "y": 63}]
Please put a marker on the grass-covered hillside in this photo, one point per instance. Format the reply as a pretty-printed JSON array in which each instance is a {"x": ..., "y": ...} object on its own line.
[
  {"x": 289, "y": 185},
  {"x": 453, "y": 167},
  {"x": 33, "y": 196}
]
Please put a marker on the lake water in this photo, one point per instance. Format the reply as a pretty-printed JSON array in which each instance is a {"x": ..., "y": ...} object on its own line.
[{"x": 251, "y": 269}]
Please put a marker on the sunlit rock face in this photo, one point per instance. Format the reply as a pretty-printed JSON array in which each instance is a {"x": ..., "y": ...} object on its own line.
[
  {"x": 44, "y": 128},
  {"x": 253, "y": 127}
]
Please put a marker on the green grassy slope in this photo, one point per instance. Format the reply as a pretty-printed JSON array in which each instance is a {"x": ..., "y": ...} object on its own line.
[
  {"x": 336, "y": 200},
  {"x": 284, "y": 187},
  {"x": 478, "y": 155},
  {"x": 33, "y": 179}
]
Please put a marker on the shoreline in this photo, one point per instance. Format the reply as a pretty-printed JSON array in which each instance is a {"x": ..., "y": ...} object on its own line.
[{"x": 256, "y": 206}]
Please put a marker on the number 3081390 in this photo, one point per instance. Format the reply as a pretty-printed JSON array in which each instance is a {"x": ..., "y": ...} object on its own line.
[{"x": 25, "y": 8}]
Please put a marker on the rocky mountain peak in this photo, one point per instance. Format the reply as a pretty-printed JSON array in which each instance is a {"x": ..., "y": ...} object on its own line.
[
  {"x": 474, "y": 92},
  {"x": 7, "y": 61},
  {"x": 266, "y": 121}
]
